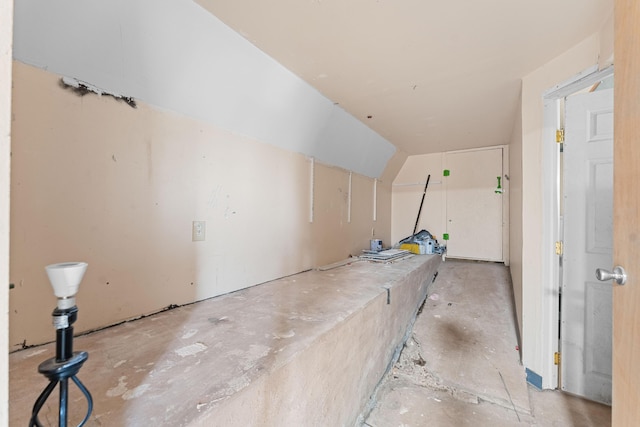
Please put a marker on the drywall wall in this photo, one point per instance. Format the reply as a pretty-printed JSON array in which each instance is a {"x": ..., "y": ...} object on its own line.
[
  {"x": 175, "y": 55},
  {"x": 606, "y": 37},
  {"x": 394, "y": 165},
  {"x": 6, "y": 37},
  {"x": 408, "y": 188},
  {"x": 98, "y": 181},
  {"x": 572, "y": 62}
]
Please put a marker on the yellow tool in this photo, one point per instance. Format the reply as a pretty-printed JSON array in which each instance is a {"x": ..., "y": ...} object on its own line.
[{"x": 414, "y": 248}]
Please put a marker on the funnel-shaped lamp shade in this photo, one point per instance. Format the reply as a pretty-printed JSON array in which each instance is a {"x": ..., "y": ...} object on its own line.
[{"x": 66, "y": 277}]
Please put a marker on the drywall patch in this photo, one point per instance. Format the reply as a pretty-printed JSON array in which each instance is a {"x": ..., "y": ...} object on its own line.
[{"x": 81, "y": 88}]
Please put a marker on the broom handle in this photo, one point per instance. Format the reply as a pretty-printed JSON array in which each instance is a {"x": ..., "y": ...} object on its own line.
[{"x": 415, "y": 228}]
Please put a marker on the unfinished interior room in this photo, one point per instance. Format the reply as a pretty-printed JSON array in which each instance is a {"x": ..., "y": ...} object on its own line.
[{"x": 320, "y": 213}]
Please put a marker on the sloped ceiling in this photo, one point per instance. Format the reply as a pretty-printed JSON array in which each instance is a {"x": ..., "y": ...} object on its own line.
[{"x": 428, "y": 75}]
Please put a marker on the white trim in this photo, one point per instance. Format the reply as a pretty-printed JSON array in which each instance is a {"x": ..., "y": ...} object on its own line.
[
  {"x": 416, "y": 184},
  {"x": 466, "y": 150},
  {"x": 550, "y": 234},
  {"x": 375, "y": 199},
  {"x": 312, "y": 181},
  {"x": 579, "y": 81},
  {"x": 506, "y": 220},
  {"x": 551, "y": 216},
  {"x": 349, "y": 194}
]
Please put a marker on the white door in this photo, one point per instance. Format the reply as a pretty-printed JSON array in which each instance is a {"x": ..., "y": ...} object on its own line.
[
  {"x": 586, "y": 314},
  {"x": 474, "y": 204}
]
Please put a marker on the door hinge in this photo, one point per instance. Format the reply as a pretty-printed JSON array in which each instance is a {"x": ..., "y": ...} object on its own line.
[
  {"x": 559, "y": 248},
  {"x": 556, "y": 358},
  {"x": 560, "y": 136}
]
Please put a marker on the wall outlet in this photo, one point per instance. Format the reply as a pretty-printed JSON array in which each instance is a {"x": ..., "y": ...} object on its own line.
[{"x": 198, "y": 231}]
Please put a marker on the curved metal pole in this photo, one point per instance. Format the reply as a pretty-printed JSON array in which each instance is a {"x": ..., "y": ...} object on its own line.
[
  {"x": 62, "y": 421},
  {"x": 84, "y": 390},
  {"x": 40, "y": 402}
]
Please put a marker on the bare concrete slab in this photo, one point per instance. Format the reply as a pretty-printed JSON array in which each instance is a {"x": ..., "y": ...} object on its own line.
[
  {"x": 304, "y": 350},
  {"x": 461, "y": 366},
  {"x": 468, "y": 335},
  {"x": 404, "y": 404}
]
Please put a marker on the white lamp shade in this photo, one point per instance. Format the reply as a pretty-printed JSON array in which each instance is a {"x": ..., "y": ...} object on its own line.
[{"x": 66, "y": 277}]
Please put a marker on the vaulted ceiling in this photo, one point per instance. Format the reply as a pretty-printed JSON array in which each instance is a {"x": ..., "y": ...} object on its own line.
[{"x": 428, "y": 75}]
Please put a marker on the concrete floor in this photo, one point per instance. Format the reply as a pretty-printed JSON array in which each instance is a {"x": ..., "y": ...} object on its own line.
[{"x": 461, "y": 366}]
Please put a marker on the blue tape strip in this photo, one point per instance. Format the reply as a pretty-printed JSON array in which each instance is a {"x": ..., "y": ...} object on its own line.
[{"x": 534, "y": 379}]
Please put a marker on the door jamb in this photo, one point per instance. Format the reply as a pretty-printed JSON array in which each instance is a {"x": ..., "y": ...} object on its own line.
[{"x": 551, "y": 216}]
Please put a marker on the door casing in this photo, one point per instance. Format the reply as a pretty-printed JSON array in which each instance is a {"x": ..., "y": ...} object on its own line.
[
  {"x": 502, "y": 241},
  {"x": 551, "y": 217}
]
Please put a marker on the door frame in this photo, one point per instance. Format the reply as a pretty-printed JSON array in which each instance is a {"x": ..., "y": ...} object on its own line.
[
  {"x": 551, "y": 221},
  {"x": 505, "y": 195}
]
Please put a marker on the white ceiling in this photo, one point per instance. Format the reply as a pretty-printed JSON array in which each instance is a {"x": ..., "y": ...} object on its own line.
[{"x": 433, "y": 75}]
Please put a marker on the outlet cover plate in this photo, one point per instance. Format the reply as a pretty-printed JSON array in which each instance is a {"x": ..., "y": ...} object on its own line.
[{"x": 198, "y": 231}]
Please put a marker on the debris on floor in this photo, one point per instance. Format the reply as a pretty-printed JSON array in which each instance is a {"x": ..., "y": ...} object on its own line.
[
  {"x": 459, "y": 368},
  {"x": 411, "y": 366}
]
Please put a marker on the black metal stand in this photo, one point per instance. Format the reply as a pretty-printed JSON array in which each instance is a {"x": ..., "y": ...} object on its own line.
[{"x": 59, "y": 369}]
